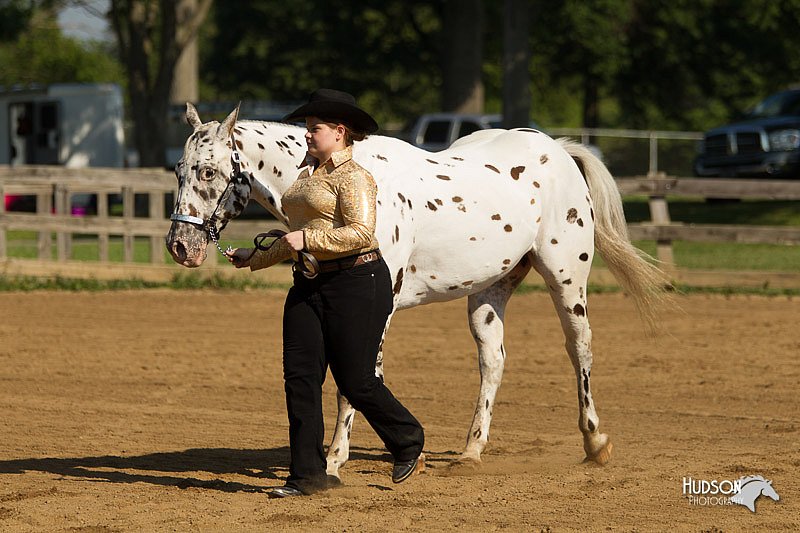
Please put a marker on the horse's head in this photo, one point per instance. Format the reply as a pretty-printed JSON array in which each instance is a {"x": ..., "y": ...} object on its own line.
[
  {"x": 212, "y": 188},
  {"x": 768, "y": 491}
]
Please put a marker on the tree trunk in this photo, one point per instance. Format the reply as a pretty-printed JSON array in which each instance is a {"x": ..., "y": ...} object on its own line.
[
  {"x": 150, "y": 63},
  {"x": 591, "y": 113},
  {"x": 185, "y": 83},
  {"x": 462, "y": 88},
  {"x": 516, "y": 58}
]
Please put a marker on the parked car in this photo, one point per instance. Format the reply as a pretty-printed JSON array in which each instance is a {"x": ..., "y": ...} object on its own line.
[
  {"x": 437, "y": 131},
  {"x": 765, "y": 143}
]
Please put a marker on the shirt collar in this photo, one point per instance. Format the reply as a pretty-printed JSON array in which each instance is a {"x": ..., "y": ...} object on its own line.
[
  {"x": 342, "y": 156},
  {"x": 337, "y": 158}
]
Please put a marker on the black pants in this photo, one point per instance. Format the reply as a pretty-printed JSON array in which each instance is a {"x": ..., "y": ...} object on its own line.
[{"x": 337, "y": 319}]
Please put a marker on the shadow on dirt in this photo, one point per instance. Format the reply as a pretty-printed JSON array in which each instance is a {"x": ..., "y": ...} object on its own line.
[{"x": 151, "y": 468}]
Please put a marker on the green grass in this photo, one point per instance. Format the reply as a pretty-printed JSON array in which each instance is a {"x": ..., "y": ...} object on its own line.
[
  {"x": 730, "y": 256},
  {"x": 691, "y": 255},
  {"x": 194, "y": 282},
  {"x": 178, "y": 282},
  {"x": 724, "y": 256},
  {"x": 23, "y": 245},
  {"x": 698, "y": 211}
]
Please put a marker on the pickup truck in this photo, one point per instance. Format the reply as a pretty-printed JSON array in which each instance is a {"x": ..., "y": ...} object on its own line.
[
  {"x": 437, "y": 131},
  {"x": 765, "y": 143}
]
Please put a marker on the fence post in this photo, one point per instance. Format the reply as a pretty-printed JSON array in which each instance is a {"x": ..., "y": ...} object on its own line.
[
  {"x": 156, "y": 213},
  {"x": 102, "y": 218},
  {"x": 44, "y": 208},
  {"x": 128, "y": 212},
  {"x": 62, "y": 206},
  {"x": 653, "y": 166},
  {"x": 659, "y": 215},
  {"x": 3, "y": 245}
]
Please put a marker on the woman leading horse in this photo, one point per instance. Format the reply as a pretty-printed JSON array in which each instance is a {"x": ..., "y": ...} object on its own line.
[{"x": 335, "y": 316}]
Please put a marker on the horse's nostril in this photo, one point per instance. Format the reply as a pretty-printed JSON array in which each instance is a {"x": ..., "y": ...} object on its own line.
[{"x": 179, "y": 251}]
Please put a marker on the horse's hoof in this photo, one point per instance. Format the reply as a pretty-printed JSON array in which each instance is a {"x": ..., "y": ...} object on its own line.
[
  {"x": 464, "y": 466},
  {"x": 601, "y": 456},
  {"x": 333, "y": 469}
]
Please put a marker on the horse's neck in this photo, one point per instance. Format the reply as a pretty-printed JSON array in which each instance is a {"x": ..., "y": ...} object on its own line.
[
  {"x": 272, "y": 153},
  {"x": 752, "y": 487}
]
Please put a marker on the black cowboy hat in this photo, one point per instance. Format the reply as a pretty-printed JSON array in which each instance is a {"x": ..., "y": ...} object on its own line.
[{"x": 333, "y": 104}]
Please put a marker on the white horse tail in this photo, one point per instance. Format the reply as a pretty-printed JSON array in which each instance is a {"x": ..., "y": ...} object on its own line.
[{"x": 635, "y": 270}]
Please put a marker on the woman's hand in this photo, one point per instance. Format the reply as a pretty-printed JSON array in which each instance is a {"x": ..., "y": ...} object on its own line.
[
  {"x": 239, "y": 257},
  {"x": 296, "y": 240}
]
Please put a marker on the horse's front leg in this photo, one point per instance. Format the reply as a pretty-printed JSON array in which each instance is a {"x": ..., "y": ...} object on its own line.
[
  {"x": 486, "y": 315},
  {"x": 339, "y": 449}
]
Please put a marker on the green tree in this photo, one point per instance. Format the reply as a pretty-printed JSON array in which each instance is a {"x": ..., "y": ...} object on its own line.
[
  {"x": 15, "y": 16},
  {"x": 696, "y": 63},
  {"x": 33, "y": 50},
  {"x": 386, "y": 53},
  {"x": 579, "y": 47}
]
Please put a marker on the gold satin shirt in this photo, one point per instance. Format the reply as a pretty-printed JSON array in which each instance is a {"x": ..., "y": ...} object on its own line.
[{"x": 334, "y": 207}]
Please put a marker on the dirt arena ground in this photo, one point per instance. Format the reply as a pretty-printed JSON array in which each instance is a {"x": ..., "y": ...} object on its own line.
[{"x": 163, "y": 411}]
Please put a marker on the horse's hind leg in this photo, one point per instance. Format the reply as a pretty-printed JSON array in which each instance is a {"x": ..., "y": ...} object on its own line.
[
  {"x": 486, "y": 315},
  {"x": 567, "y": 281},
  {"x": 339, "y": 449}
]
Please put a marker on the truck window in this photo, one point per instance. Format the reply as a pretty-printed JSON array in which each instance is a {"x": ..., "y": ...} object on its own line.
[
  {"x": 467, "y": 127},
  {"x": 436, "y": 132}
]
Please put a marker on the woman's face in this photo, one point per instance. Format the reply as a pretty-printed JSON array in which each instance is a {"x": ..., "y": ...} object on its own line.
[{"x": 323, "y": 138}]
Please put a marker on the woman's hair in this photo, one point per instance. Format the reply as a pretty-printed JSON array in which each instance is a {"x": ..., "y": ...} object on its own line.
[{"x": 350, "y": 135}]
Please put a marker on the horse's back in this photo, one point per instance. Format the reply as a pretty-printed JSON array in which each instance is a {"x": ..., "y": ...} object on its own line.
[{"x": 456, "y": 221}]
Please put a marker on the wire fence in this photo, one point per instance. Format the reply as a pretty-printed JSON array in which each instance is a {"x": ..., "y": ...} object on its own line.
[{"x": 640, "y": 152}]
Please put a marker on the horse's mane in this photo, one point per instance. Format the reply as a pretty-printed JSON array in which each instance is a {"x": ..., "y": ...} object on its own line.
[{"x": 748, "y": 479}]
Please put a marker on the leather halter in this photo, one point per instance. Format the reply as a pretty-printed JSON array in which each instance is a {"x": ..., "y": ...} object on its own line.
[{"x": 210, "y": 225}]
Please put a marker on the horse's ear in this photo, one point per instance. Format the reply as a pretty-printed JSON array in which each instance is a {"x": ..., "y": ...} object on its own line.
[
  {"x": 192, "y": 117},
  {"x": 226, "y": 128}
]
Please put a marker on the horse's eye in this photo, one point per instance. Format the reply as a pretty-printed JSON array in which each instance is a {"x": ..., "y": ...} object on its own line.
[{"x": 207, "y": 173}]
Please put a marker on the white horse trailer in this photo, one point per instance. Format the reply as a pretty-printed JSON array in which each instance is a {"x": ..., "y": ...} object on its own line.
[{"x": 70, "y": 124}]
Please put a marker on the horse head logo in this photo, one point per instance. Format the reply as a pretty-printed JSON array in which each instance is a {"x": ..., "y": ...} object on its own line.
[{"x": 751, "y": 488}]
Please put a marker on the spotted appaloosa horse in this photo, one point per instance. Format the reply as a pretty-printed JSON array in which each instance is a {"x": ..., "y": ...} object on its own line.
[{"x": 469, "y": 221}]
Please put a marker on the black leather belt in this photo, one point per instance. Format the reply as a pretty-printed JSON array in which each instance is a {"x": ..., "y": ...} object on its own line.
[{"x": 349, "y": 262}]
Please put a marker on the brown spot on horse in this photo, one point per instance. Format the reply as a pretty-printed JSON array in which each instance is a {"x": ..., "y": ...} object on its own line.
[
  {"x": 572, "y": 215},
  {"x": 399, "y": 283}
]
